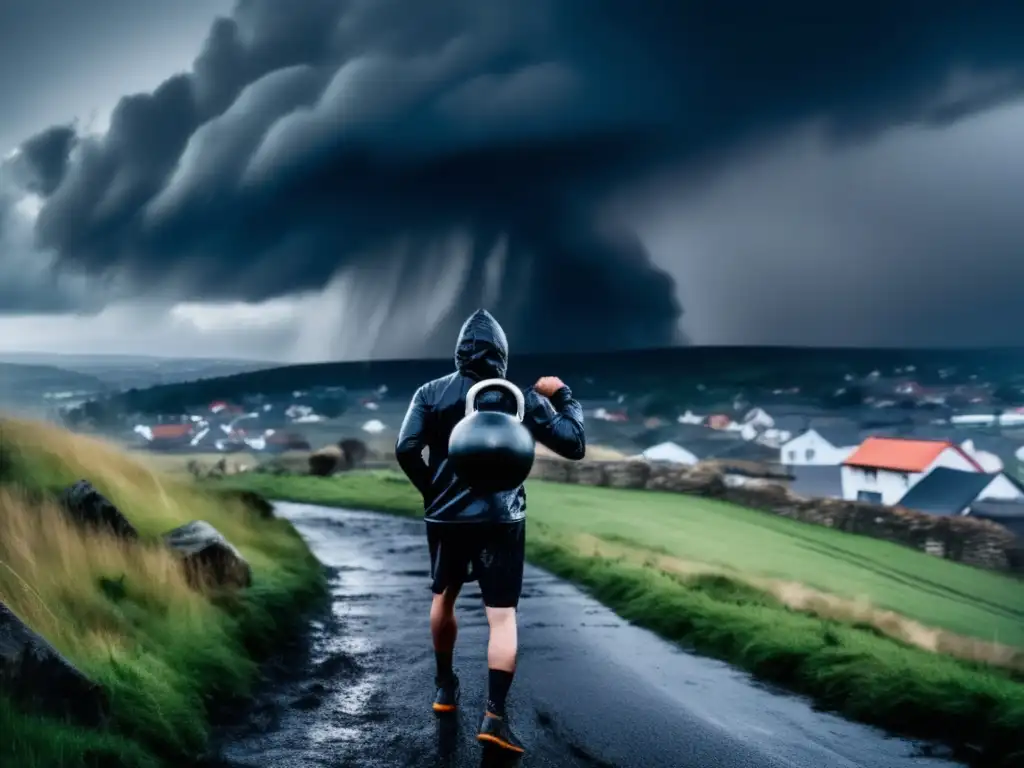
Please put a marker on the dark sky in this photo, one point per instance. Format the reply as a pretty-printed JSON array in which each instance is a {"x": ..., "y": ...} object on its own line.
[{"x": 349, "y": 178}]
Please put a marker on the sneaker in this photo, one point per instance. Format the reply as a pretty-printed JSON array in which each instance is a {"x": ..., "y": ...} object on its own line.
[
  {"x": 495, "y": 730},
  {"x": 447, "y": 697}
]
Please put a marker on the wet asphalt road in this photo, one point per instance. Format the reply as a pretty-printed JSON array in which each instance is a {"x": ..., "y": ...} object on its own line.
[{"x": 591, "y": 690}]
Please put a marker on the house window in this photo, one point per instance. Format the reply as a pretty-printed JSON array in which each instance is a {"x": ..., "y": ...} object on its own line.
[
  {"x": 792, "y": 455},
  {"x": 871, "y": 497},
  {"x": 905, "y": 477},
  {"x": 871, "y": 474},
  {"x": 809, "y": 454}
]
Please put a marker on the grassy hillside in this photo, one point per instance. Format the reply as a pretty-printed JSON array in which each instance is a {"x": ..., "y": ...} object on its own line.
[
  {"x": 793, "y": 603},
  {"x": 123, "y": 612}
]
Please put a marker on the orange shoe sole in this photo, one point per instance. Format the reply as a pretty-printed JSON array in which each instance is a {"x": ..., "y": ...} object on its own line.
[
  {"x": 486, "y": 738},
  {"x": 444, "y": 707}
]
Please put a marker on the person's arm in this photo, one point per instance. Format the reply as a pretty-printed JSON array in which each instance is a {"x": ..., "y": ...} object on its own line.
[
  {"x": 412, "y": 438},
  {"x": 555, "y": 418}
]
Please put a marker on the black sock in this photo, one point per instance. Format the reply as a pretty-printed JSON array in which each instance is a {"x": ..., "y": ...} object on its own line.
[
  {"x": 444, "y": 665},
  {"x": 498, "y": 683}
]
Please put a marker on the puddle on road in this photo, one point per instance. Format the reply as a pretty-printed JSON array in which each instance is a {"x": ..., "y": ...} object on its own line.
[
  {"x": 355, "y": 645},
  {"x": 335, "y": 734},
  {"x": 354, "y": 699}
]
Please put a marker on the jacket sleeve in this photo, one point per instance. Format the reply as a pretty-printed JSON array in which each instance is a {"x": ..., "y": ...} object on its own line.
[
  {"x": 412, "y": 438},
  {"x": 557, "y": 423}
]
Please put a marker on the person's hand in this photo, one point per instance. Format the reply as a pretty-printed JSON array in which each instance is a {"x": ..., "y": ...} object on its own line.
[{"x": 548, "y": 385}]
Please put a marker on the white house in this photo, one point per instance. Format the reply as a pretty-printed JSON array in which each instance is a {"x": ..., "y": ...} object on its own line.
[
  {"x": 774, "y": 437},
  {"x": 758, "y": 417},
  {"x": 670, "y": 452},
  {"x": 882, "y": 469},
  {"x": 690, "y": 418},
  {"x": 817, "y": 447}
]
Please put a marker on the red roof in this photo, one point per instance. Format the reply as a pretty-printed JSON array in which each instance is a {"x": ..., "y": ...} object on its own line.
[
  {"x": 902, "y": 455},
  {"x": 166, "y": 431}
]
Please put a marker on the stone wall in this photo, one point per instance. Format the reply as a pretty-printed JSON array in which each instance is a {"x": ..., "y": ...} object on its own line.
[{"x": 967, "y": 540}]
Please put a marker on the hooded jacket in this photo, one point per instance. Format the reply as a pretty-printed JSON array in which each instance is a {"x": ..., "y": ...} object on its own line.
[{"x": 437, "y": 406}]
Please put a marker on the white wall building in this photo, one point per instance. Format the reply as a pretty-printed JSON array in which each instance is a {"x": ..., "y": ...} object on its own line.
[
  {"x": 882, "y": 469},
  {"x": 812, "y": 448},
  {"x": 759, "y": 418}
]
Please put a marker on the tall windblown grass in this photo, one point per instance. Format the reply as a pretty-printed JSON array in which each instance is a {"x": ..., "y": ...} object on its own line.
[
  {"x": 123, "y": 612},
  {"x": 800, "y": 597}
]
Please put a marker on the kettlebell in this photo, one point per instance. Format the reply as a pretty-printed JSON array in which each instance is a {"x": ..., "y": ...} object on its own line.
[{"x": 490, "y": 450}]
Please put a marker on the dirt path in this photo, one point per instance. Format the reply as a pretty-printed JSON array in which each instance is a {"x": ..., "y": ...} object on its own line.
[{"x": 591, "y": 691}]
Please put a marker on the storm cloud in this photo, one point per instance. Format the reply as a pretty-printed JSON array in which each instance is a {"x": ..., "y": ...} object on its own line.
[{"x": 428, "y": 158}]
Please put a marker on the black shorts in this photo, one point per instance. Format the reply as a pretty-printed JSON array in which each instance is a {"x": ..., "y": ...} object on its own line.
[{"x": 491, "y": 554}]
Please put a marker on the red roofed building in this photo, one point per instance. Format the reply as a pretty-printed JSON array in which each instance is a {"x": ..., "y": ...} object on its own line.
[
  {"x": 882, "y": 469},
  {"x": 168, "y": 436}
]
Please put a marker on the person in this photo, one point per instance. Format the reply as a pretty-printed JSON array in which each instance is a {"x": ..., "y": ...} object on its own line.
[{"x": 473, "y": 536}]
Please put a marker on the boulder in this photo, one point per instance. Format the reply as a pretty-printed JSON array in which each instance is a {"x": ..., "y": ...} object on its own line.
[
  {"x": 326, "y": 461},
  {"x": 354, "y": 452},
  {"x": 208, "y": 557},
  {"x": 37, "y": 677},
  {"x": 87, "y": 506}
]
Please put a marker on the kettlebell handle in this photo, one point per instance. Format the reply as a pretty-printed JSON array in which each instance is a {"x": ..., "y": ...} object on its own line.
[{"x": 503, "y": 384}]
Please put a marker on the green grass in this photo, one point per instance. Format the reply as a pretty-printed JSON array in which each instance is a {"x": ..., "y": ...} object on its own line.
[
  {"x": 168, "y": 657},
  {"x": 852, "y": 669},
  {"x": 936, "y": 592}
]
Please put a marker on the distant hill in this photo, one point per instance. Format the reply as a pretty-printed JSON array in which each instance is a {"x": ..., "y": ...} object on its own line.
[
  {"x": 32, "y": 383},
  {"x": 136, "y": 371},
  {"x": 693, "y": 372}
]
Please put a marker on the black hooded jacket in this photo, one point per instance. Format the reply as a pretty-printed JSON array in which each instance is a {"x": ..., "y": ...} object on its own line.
[{"x": 437, "y": 406}]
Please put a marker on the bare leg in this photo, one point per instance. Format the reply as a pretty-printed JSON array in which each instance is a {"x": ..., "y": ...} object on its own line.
[
  {"x": 501, "y": 657},
  {"x": 444, "y": 629},
  {"x": 504, "y": 639}
]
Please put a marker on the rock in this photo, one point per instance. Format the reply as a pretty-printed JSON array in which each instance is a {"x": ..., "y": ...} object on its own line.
[
  {"x": 354, "y": 452},
  {"x": 36, "y": 676},
  {"x": 88, "y": 507},
  {"x": 326, "y": 461},
  {"x": 209, "y": 558}
]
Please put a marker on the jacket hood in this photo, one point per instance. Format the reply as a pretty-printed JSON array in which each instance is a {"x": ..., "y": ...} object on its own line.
[{"x": 482, "y": 351}]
